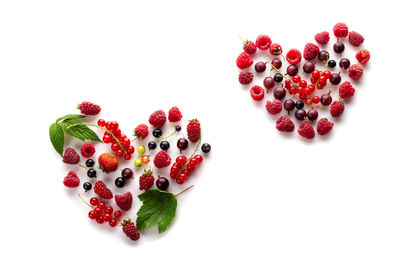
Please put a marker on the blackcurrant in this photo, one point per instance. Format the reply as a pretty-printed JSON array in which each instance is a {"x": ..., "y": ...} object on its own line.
[
  {"x": 157, "y": 133},
  {"x": 289, "y": 105},
  {"x": 269, "y": 82},
  {"x": 331, "y": 63},
  {"x": 300, "y": 114},
  {"x": 292, "y": 70},
  {"x": 277, "y": 63},
  {"x": 260, "y": 67},
  {"x": 182, "y": 144},
  {"x": 164, "y": 145},
  {"x": 335, "y": 79},
  {"x": 87, "y": 186},
  {"x": 91, "y": 173},
  {"x": 89, "y": 163},
  {"x": 299, "y": 104},
  {"x": 178, "y": 128},
  {"x": 206, "y": 148},
  {"x": 127, "y": 173},
  {"x": 312, "y": 114},
  {"x": 323, "y": 55},
  {"x": 278, "y": 78},
  {"x": 152, "y": 145},
  {"x": 344, "y": 63},
  {"x": 162, "y": 183},
  {"x": 120, "y": 182},
  {"x": 326, "y": 99},
  {"x": 279, "y": 93},
  {"x": 338, "y": 47},
  {"x": 308, "y": 67}
]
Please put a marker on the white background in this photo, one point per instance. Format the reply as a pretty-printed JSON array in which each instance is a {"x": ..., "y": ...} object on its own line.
[{"x": 260, "y": 198}]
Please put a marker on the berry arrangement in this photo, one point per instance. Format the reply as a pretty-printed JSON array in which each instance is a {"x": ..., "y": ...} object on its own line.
[
  {"x": 302, "y": 83},
  {"x": 110, "y": 203}
]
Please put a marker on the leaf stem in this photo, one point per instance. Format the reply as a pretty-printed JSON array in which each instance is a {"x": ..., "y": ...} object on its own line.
[
  {"x": 184, "y": 190},
  {"x": 85, "y": 201}
]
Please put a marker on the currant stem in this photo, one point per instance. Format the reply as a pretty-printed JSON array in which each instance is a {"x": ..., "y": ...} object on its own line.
[
  {"x": 283, "y": 75},
  {"x": 184, "y": 190},
  {"x": 240, "y": 37},
  {"x": 85, "y": 201},
  {"x": 83, "y": 166},
  {"x": 197, "y": 148}
]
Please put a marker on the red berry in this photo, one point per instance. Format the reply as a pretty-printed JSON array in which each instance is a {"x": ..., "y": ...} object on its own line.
[
  {"x": 108, "y": 209},
  {"x": 94, "y": 201},
  {"x": 119, "y": 153},
  {"x": 101, "y": 205},
  {"x": 340, "y": 30},
  {"x": 91, "y": 215},
  {"x": 309, "y": 101},
  {"x": 97, "y": 212},
  {"x": 324, "y": 126},
  {"x": 257, "y": 93},
  {"x": 273, "y": 108},
  {"x": 100, "y": 220},
  {"x": 296, "y": 79},
  {"x": 363, "y": 56},
  {"x": 106, "y": 139},
  {"x": 106, "y": 217},
  {"x": 182, "y": 176},
  {"x": 114, "y": 147},
  {"x": 284, "y": 124},
  {"x": 275, "y": 49},
  {"x": 113, "y": 222},
  {"x": 303, "y": 83},
  {"x": 346, "y": 90},
  {"x": 315, "y": 99},
  {"x": 181, "y": 160},
  {"x": 127, "y": 157},
  {"x": 117, "y": 214},
  {"x": 158, "y": 118},
  {"x": 249, "y": 47},
  {"x": 293, "y": 56},
  {"x": 310, "y": 51},
  {"x": 193, "y": 130},
  {"x": 243, "y": 61},
  {"x": 355, "y": 39},
  {"x": 306, "y": 130},
  {"x": 101, "y": 122},
  {"x": 88, "y": 108},
  {"x": 322, "y": 37},
  {"x": 199, "y": 159},
  {"x": 263, "y": 42},
  {"x": 245, "y": 77}
]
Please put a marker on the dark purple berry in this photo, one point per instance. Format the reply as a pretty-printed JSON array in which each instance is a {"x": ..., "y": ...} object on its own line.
[
  {"x": 182, "y": 144},
  {"x": 269, "y": 82},
  {"x": 344, "y": 63},
  {"x": 326, "y": 99},
  {"x": 162, "y": 183},
  {"x": 300, "y": 114},
  {"x": 260, "y": 67},
  {"x": 299, "y": 104},
  {"x": 289, "y": 105},
  {"x": 127, "y": 173},
  {"x": 335, "y": 79},
  {"x": 308, "y": 67},
  {"x": 277, "y": 63},
  {"x": 312, "y": 114},
  {"x": 292, "y": 70},
  {"x": 323, "y": 55},
  {"x": 338, "y": 47},
  {"x": 331, "y": 63},
  {"x": 278, "y": 78},
  {"x": 279, "y": 93}
]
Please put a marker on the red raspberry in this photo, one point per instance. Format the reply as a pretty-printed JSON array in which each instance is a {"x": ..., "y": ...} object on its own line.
[
  {"x": 101, "y": 189},
  {"x": 130, "y": 230},
  {"x": 257, "y": 93},
  {"x": 88, "y": 108},
  {"x": 363, "y": 56},
  {"x": 346, "y": 90},
  {"x": 306, "y": 130},
  {"x": 284, "y": 124},
  {"x": 124, "y": 202},
  {"x": 310, "y": 51},
  {"x": 356, "y": 71},
  {"x": 158, "y": 118},
  {"x": 263, "y": 42},
  {"x": 141, "y": 131},
  {"x": 337, "y": 108},
  {"x": 162, "y": 159},
  {"x": 293, "y": 56},
  {"x": 245, "y": 77},
  {"x": 273, "y": 108},
  {"x": 322, "y": 37},
  {"x": 324, "y": 126},
  {"x": 146, "y": 180},
  {"x": 87, "y": 150},
  {"x": 174, "y": 114},
  {"x": 193, "y": 130},
  {"x": 275, "y": 49},
  {"x": 243, "y": 61},
  {"x": 71, "y": 180},
  {"x": 249, "y": 47},
  {"x": 340, "y": 30},
  {"x": 355, "y": 38},
  {"x": 70, "y": 156}
]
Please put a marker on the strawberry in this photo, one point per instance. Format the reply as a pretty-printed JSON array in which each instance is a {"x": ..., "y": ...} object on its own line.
[{"x": 108, "y": 162}]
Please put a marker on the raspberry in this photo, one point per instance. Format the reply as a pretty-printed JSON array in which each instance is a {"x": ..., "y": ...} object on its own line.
[
  {"x": 306, "y": 130},
  {"x": 275, "y": 49},
  {"x": 193, "y": 130},
  {"x": 363, "y": 56},
  {"x": 245, "y": 77},
  {"x": 263, "y": 42},
  {"x": 284, "y": 124},
  {"x": 146, "y": 180},
  {"x": 141, "y": 131},
  {"x": 293, "y": 56},
  {"x": 162, "y": 159},
  {"x": 340, "y": 30},
  {"x": 101, "y": 189},
  {"x": 124, "y": 202},
  {"x": 322, "y": 37},
  {"x": 158, "y": 118},
  {"x": 249, "y": 47},
  {"x": 108, "y": 162},
  {"x": 324, "y": 126},
  {"x": 346, "y": 90},
  {"x": 356, "y": 71},
  {"x": 355, "y": 39},
  {"x": 71, "y": 180},
  {"x": 243, "y": 61},
  {"x": 130, "y": 230},
  {"x": 174, "y": 114},
  {"x": 310, "y": 51},
  {"x": 337, "y": 108},
  {"x": 88, "y": 108},
  {"x": 257, "y": 93},
  {"x": 87, "y": 150},
  {"x": 273, "y": 108},
  {"x": 70, "y": 156}
]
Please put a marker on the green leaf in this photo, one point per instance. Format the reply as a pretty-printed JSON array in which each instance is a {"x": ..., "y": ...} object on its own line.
[
  {"x": 57, "y": 137},
  {"x": 80, "y": 131},
  {"x": 70, "y": 116},
  {"x": 158, "y": 209}
]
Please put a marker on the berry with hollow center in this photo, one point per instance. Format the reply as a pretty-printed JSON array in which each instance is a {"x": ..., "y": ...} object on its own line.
[
  {"x": 292, "y": 70},
  {"x": 162, "y": 183},
  {"x": 269, "y": 82},
  {"x": 338, "y": 47},
  {"x": 363, "y": 56},
  {"x": 260, "y": 67},
  {"x": 308, "y": 67},
  {"x": 206, "y": 148},
  {"x": 293, "y": 56},
  {"x": 356, "y": 71},
  {"x": 257, "y": 93},
  {"x": 152, "y": 145},
  {"x": 277, "y": 63},
  {"x": 263, "y": 42},
  {"x": 344, "y": 63}
]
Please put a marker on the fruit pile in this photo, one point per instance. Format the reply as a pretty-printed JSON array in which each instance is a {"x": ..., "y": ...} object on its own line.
[
  {"x": 313, "y": 87},
  {"x": 158, "y": 205}
]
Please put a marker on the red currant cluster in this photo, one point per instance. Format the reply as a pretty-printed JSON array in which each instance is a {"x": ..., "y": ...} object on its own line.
[
  {"x": 120, "y": 143},
  {"x": 183, "y": 167},
  {"x": 102, "y": 213}
]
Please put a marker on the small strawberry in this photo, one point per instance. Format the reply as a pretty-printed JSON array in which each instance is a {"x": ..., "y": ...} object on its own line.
[
  {"x": 162, "y": 159},
  {"x": 141, "y": 131},
  {"x": 108, "y": 162},
  {"x": 193, "y": 130},
  {"x": 146, "y": 180},
  {"x": 101, "y": 189},
  {"x": 70, "y": 156},
  {"x": 130, "y": 230},
  {"x": 124, "y": 202},
  {"x": 88, "y": 108},
  {"x": 71, "y": 180}
]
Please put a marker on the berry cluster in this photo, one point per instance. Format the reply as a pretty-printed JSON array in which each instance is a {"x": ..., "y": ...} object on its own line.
[
  {"x": 183, "y": 167},
  {"x": 103, "y": 213}
]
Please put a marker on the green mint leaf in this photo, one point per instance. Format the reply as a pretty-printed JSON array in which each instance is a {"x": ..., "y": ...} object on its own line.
[
  {"x": 80, "y": 131},
  {"x": 158, "y": 209},
  {"x": 70, "y": 116},
  {"x": 57, "y": 137}
]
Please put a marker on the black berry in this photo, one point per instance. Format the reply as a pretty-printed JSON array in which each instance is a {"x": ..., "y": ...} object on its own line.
[
  {"x": 331, "y": 63},
  {"x": 127, "y": 173},
  {"x": 344, "y": 63},
  {"x": 338, "y": 47},
  {"x": 206, "y": 148},
  {"x": 89, "y": 163},
  {"x": 278, "y": 78},
  {"x": 91, "y": 173},
  {"x": 308, "y": 67},
  {"x": 162, "y": 183},
  {"x": 182, "y": 144},
  {"x": 299, "y": 104},
  {"x": 152, "y": 145},
  {"x": 157, "y": 133},
  {"x": 178, "y": 128},
  {"x": 164, "y": 145},
  {"x": 87, "y": 186},
  {"x": 292, "y": 70},
  {"x": 119, "y": 182}
]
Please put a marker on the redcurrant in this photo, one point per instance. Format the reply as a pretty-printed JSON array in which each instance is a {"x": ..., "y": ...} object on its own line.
[
  {"x": 130, "y": 150},
  {"x": 127, "y": 157},
  {"x": 92, "y": 215},
  {"x": 100, "y": 220},
  {"x": 117, "y": 214},
  {"x": 303, "y": 83},
  {"x": 296, "y": 79},
  {"x": 114, "y": 147},
  {"x": 101, "y": 205},
  {"x": 108, "y": 209},
  {"x": 315, "y": 99},
  {"x": 113, "y": 222},
  {"x": 181, "y": 160},
  {"x": 119, "y": 153},
  {"x": 315, "y": 74},
  {"x": 101, "y": 122},
  {"x": 94, "y": 201}
]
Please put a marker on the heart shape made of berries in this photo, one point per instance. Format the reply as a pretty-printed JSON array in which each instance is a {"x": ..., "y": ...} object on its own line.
[
  {"x": 111, "y": 171},
  {"x": 304, "y": 79}
]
